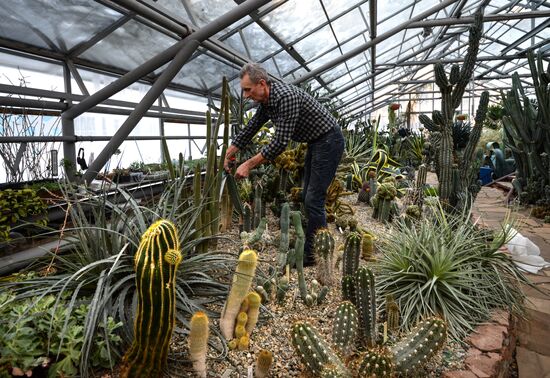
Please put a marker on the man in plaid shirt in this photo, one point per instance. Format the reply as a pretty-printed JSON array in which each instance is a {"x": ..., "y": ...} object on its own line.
[{"x": 297, "y": 116}]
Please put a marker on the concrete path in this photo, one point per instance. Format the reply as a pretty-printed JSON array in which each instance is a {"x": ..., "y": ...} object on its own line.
[{"x": 533, "y": 351}]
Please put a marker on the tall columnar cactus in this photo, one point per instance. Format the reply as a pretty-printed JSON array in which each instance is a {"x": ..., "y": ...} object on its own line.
[
  {"x": 284, "y": 243},
  {"x": 420, "y": 183},
  {"x": 254, "y": 302},
  {"x": 296, "y": 217},
  {"x": 263, "y": 363},
  {"x": 525, "y": 127},
  {"x": 452, "y": 90},
  {"x": 365, "y": 295},
  {"x": 422, "y": 343},
  {"x": 348, "y": 288},
  {"x": 314, "y": 351},
  {"x": 242, "y": 279},
  {"x": 198, "y": 342},
  {"x": 344, "y": 331},
  {"x": 392, "y": 313},
  {"x": 323, "y": 246},
  {"x": 156, "y": 263},
  {"x": 247, "y": 217},
  {"x": 352, "y": 252},
  {"x": 376, "y": 362},
  {"x": 258, "y": 204}
]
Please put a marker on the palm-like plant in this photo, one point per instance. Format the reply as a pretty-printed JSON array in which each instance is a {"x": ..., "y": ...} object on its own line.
[
  {"x": 444, "y": 265},
  {"x": 99, "y": 268}
]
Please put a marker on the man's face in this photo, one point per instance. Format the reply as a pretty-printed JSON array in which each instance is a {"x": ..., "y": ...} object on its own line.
[{"x": 258, "y": 92}]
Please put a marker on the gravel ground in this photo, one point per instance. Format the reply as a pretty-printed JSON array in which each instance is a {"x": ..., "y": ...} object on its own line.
[{"x": 273, "y": 330}]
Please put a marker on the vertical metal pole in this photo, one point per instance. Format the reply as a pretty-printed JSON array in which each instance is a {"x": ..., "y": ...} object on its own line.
[
  {"x": 189, "y": 141},
  {"x": 161, "y": 132},
  {"x": 67, "y": 129}
]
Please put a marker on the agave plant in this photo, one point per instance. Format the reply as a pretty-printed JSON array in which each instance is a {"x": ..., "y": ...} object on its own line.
[
  {"x": 444, "y": 265},
  {"x": 98, "y": 270}
]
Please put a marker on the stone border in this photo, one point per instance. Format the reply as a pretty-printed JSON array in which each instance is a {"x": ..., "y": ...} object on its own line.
[{"x": 492, "y": 347}]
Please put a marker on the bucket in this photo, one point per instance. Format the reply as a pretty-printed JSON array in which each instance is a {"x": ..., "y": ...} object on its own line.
[{"x": 485, "y": 175}]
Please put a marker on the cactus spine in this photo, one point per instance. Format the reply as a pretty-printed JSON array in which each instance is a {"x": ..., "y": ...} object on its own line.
[
  {"x": 366, "y": 305},
  {"x": 377, "y": 362},
  {"x": 263, "y": 363},
  {"x": 314, "y": 352},
  {"x": 323, "y": 246},
  {"x": 254, "y": 302},
  {"x": 156, "y": 263},
  {"x": 198, "y": 342},
  {"x": 345, "y": 328},
  {"x": 242, "y": 279},
  {"x": 352, "y": 252},
  {"x": 422, "y": 343}
]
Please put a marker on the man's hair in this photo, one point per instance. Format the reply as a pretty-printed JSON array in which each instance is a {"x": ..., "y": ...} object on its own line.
[{"x": 255, "y": 72}]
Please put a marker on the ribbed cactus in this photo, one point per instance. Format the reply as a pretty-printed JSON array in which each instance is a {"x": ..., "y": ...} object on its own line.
[
  {"x": 254, "y": 302},
  {"x": 247, "y": 217},
  {"x": 314, "y": 351},
  {"x": 258, "y": 204},
  {"x": 242, "y": 279},
  {"x": 284, "y": 243},
  {"x": 392, "y": 313},
  {"x": 198, "y": 342},
  {"x": 156, "y": 263},
  {"x": 263, "y": 363},
  {"x": 420, "y": 183},
  {"x": 282, "y": 288},
  {"x": 367, "y": 246},
  {"x": 323, "y": 247},
  {"x": 352, "y": 252},
  {"x": 383, "y": 202},
  {"x": 365, "y": 299},
  {"x": 348, "y": 288},
  {"x": 423, "y": 342},
  {"x": 296, "y": 217},
  {"x": 344, "y": 331},
  {"x": 452, "y": 91},
  {"x": 376, "y": 362}
]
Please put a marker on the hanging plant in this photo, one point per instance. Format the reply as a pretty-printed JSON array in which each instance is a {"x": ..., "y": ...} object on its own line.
[
  {"x": 461, "y": 117},
  {"x": 395, "y": 106}
]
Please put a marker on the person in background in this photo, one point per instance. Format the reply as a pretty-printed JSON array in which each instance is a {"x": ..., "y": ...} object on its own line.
[{"x": 297, "y": 116}]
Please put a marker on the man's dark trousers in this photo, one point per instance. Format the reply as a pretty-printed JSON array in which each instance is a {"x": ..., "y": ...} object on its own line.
[{"x": 322, "y": 159}]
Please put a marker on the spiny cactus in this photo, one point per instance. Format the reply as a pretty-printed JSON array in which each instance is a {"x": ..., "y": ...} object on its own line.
[
  {"x": 282, "y": 288},
  {"x": 348, "y": 288},
  {"x": 296, "y": 217},
  {"x": 247, "y": 217},
  {"x": 323, "y": 246},
  {"x": 423, "y": 342},
  {"x": 244, "y": 342},
  {"x": 365, "y": 295},
  {"x": 156, "y": 263},
  {"x": 383, "y": 202},
  {"x": 285, "y": 241},
  {"x": 314, "y": 352},
  {"x": 254, "y": 302},
  {"x": 352, "y": 252},
  {"x": 377, "y": 362},
  {"x": 242, "y": 279},
  {"x": 344, "y": 331},
  {"x": 367, "y": 244},
  {"x": 240, "y": 331},
  {"x": 392, "y": 313},
  {"x": 198, "y": 342},
  {"x": 258, "y": 204},
  {"x": 263, "y": 363},
  {"x": 418, "y": 195}
]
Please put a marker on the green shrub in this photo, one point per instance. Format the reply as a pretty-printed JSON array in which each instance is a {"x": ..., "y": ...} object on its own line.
[
  {"x": 444, "y": 265},
  {"x": 16, "y": 205}
]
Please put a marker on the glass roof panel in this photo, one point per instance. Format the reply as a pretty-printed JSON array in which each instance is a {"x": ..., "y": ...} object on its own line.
[
  {"x": 289, "y": 22},
  {"x": 172, "y": 8},
  {"x": 335, "y": 7},
  {"x": 285, "y": 62},
  {"x": 204, "y": 72},
  {"x": 393, "y": 10},
  {"x": 348, "y": 25},
  {"x": 205, "y": 11},
  {"x": 259, "y": 42},
  {"x": 320, "y": 41},
  {"x": 235, "y": 41},
  {"x": 17, "y": 70},
  {"x": 129, "y": 46},
  {"x": 46, "y": 23},
  {"x": 317, "y": 62}
]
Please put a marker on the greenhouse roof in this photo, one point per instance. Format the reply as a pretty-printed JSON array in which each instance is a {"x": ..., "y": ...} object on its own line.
[{"x": 364, "y": 54}]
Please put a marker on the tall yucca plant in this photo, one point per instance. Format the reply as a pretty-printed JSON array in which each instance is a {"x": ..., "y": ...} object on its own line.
[
  {"x": 99, "y": 268},
  {"x": 444, "y": 265}
]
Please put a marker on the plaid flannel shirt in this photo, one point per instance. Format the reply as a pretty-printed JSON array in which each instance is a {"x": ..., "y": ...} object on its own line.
[{"x": 295, "y": 115}]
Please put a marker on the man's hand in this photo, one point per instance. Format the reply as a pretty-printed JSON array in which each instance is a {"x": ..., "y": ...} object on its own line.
[
  {"x": 243, "y": 171},
  {"x": 229, "y": 159}
]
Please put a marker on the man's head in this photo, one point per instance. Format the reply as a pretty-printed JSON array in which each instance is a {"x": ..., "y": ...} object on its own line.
[{"x": 255, "y": 82}]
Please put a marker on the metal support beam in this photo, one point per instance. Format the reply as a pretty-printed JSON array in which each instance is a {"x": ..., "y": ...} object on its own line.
[
  {"x": 67, "y": 129},
  {"x": 487, "y": 18},
  {"x": 372, "y": 42},
  {"x": 91, "y": 138},
  {"x": 164, "y": 57},
  {"x": 459, "y": 60},
  {"x": 77, "y": 77},
  {"x": 526, "y": 36}
]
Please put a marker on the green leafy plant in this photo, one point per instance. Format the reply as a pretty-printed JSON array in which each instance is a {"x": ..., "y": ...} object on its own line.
[
  {"x": 444, "y": 265},
  {"x": 15, "y": 205}
]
